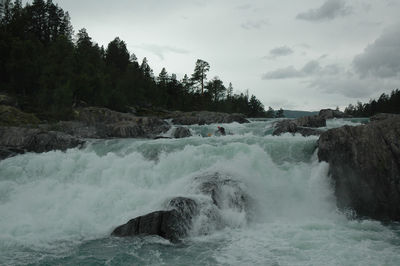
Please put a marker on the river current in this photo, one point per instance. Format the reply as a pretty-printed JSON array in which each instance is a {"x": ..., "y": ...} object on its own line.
[{"x": 59, "y": 208}]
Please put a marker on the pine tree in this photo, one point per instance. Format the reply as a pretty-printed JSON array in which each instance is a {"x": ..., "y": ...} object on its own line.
[
  {"x": 163, "y": 77},
  {"x": 200, "y": 73}
]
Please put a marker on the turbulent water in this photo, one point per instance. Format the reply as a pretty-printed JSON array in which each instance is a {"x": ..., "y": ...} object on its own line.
[{"x": 59, "y": 208}]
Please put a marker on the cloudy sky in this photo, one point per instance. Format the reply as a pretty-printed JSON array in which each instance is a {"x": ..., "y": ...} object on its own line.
[{"x": 302, "y": 55}]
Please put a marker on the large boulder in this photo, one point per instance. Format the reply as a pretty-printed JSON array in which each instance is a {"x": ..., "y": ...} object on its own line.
[
  {"x": 329, "y": 114},
  {"x": 170, "y": 224},
  {"x": 218, "y": 193},
  {"x": 205, "y": 117},
  {"x": 382, "y": 116},
  {"x": 16, "y": 140},
  {"x": 292, "y": 126},
  {"x": 224, "y": 191},
  {"x": 311, "y": 121},
  {"x": 365, "y": 166},
  {"x": 104, "y": 123},
  {"x": 182, "y": 132}
]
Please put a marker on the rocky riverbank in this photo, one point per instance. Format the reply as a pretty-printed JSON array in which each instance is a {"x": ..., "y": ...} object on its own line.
[{"x": 23, "y": 132}]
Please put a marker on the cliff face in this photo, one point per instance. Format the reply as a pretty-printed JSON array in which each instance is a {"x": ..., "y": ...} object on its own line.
[{"x": 365, "y": 165}]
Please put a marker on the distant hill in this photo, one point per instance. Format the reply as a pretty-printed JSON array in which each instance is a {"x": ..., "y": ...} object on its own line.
[{"x": 296, "y": 114}]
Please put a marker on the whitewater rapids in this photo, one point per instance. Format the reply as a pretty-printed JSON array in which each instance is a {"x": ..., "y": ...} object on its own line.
[{"x": 60, "y": 207}]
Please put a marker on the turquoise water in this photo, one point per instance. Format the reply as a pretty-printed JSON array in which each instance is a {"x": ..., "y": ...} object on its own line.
[{"x": 59, "y": 208}]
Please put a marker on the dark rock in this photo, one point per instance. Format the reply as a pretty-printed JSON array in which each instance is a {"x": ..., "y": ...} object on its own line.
[
  {"x": 291, "y": 126},
  {"x": 176, "y": 221},
  {"x": 11, "y": 116},
  {"x": 105, "y": 123},
  {"x": 182, "y": 132},
  {"x": 365, "y": 165},
  {"x": 311, "y": 121},
  {"x": 224, "y": 191},
  {"x": 382, "y": 116},
  {"x": 170, "y": 224},
  {"x": 205, "y": 117},
  {"x": 9, "y": 152},
  {"x": 329, "y": 114},
  {"x": 78, "y": 129},
  {"x": 17, "y": 139}
]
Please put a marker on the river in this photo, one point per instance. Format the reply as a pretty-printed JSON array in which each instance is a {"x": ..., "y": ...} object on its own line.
[{"x": 59, "y": 208}]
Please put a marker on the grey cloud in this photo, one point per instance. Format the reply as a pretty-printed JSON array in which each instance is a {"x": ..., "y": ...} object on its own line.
[
  {"x": 329, "y": 10},
  {"x": 245, "y": 6},
  {"x": 283, "y": 73},
  {"x": 351, "y": 86},
  {"x": 161, "y": 50},
  {"x": 382, "y": 57},
  {"x": 254, "y": 24},
  {"x": 279, "y": 51},
  {"x": 311, "y": 68}
]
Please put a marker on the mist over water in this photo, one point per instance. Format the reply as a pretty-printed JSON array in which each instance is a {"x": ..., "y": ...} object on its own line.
[{"x": 60, "y": 207}]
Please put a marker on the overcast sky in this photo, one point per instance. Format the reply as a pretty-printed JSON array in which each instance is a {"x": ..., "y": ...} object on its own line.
[{"x": 303, "y": 55}]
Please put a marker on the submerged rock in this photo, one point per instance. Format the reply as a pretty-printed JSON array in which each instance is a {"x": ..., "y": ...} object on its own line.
[
  {"x": 365, "y": 165},
  {"x": 224, "y": 191},
  {"x": 182, "y": 132}
]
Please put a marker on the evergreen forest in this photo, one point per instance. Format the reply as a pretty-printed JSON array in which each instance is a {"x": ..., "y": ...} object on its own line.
[{"x": 51, "y": 70}]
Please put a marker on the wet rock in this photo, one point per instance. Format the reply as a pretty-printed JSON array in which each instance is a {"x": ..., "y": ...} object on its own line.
[
  {"x": 182, "y": 132},
  {"x": 365, "y": 165},
  {"x": 170, "y": 224},
  {"x": 205, "y": 117},
  {"x": 105, "y": 123},
  {"x": 291, "y": 126},
  {"x": 224, "y": 191},
  {"x": 310, "y": 121},
  {"x": 382, "y": 116},
  {"x": 176, "y": 220},
  {"x": 329, "y": 114},
  {"x": 19, "y": 140}
]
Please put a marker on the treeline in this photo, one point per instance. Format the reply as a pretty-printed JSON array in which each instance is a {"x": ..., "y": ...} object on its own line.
[
  {"x": 50, "y": 70},
  {"x": 385, "y": 104}
]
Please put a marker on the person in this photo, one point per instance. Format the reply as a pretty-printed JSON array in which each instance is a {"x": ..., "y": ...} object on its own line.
[{"x": 221, "y": 130}]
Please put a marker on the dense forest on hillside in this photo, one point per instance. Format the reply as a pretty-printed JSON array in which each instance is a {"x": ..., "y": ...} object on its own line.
[
  {"x": 50, "y": 70},
  {"x": 385, "y": 104}
]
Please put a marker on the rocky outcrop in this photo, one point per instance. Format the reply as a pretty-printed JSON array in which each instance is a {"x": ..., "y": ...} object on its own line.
[
  {"x": 205, "y": 117},
  {"x": 97, "y": 122},
  {"x": 365, "y": 166},
  {"x": 11, "y": 116},
  {"x": 182, "y": 132},
  {"x": 17, "y": 140},
  {"x": 311, "y": 121},
  {"x": 170, "y": 224},
  {"x": 303, "y": 125},
  {"x": 177, "y": 219},
  {"x": 329, "y": 114},
  {"x": 382, "y": 116}
]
